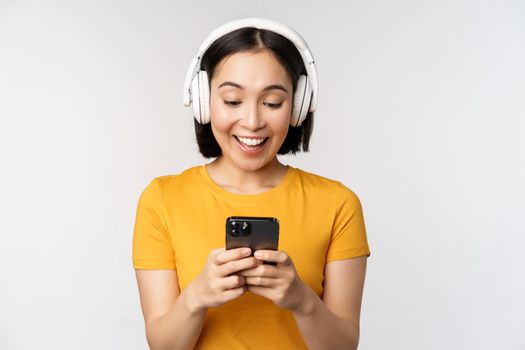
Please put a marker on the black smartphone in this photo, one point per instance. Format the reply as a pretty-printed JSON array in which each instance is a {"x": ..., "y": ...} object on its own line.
[{"x": 254, "y": 232}]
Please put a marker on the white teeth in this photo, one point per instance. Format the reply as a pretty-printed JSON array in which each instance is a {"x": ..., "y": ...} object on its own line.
[{"x": 250, "y": 141}]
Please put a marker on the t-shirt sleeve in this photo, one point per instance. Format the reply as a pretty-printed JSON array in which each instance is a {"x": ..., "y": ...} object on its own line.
[
  {"x": 151, "y": 242},
  {"x": 348, "y": 233}
]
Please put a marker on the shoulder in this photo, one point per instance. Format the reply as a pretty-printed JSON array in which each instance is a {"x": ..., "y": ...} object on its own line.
[
  {"x": 189, "y": 174},
  {"x": 167, "y": 184},
  {"x": 322, "y": 185},
  {"x": 319, "y": 182},
  {"x": 310, "y": 179}
]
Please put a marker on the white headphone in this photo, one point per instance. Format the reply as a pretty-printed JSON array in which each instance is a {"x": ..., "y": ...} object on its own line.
[{"x": 196, "y": 87}]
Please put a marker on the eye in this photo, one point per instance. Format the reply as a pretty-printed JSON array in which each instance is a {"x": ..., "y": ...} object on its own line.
[
  {"x": 232, "y": 103},
  {"x": 273, "y": 105}
]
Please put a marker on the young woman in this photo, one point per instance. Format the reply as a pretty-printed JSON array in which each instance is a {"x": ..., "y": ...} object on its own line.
[{"x": 253, "y": 91}]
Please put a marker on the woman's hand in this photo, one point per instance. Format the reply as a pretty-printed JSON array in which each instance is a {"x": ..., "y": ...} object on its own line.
[
  {"x": 218, "y": 283},
  {"x": 279, "y": 283}
]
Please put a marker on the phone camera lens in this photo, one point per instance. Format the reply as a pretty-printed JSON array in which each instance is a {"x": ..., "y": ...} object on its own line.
[
  {"x": 239, "y": 228},
  {"x": 245, "y": 229},
  {"x": 234, "y": 229}
]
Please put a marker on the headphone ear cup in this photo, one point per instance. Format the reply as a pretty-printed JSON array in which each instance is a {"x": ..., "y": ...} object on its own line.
[
  {"x": 204, "y": 97},
  {"x": 195, "y": 98},
  {"x": 301, "y": 101}
]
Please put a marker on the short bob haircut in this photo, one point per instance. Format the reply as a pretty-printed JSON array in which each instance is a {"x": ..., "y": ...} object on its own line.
[{"x": 254, "y": 40}]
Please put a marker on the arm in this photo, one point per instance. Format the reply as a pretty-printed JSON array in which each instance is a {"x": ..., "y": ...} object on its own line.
[
  {"x": 175, "y": 321},
  {"x": 171, "y": 322},
  {"x": 333, "y": 322}
]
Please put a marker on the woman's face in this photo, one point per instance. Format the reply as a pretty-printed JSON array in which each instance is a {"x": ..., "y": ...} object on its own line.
[{"x": 251, "y": 103}]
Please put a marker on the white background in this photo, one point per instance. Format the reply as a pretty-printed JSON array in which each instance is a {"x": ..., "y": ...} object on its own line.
[{"x": 421, "y": 113}]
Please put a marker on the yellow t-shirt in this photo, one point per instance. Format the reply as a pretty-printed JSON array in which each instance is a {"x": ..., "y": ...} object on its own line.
[{"x": 181, "y": 219}]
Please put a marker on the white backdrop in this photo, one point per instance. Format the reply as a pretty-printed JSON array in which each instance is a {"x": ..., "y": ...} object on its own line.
[{"x": 421, "y": 113}]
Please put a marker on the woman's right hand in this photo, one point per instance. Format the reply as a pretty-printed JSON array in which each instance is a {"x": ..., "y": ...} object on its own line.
[{"x": 218, "y": 283}]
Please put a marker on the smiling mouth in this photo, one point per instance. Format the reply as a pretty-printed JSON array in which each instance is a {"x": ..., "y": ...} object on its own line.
[{"x": 251, "y": 142}]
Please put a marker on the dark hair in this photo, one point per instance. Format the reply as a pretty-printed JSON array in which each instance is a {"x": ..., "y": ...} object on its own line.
[{"x": 253, "y": 39}]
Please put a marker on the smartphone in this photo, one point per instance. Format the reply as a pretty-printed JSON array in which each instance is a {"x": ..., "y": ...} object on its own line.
[{"x": 254, "y": 232}]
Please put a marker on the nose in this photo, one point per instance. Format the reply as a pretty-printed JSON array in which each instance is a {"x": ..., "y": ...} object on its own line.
[{"x": 253, "y": 119}]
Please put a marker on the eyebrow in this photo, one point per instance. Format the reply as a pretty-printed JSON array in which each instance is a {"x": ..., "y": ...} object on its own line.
[{"x": 269, "y": 87}]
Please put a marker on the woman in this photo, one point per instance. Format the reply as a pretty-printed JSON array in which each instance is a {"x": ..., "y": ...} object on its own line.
[{"x": 259, "y": 89}]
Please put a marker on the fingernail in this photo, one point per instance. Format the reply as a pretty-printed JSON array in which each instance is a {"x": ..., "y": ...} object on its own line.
[
  {"x": 258, "y": 254},
  {"x": 246, "y": 251}
]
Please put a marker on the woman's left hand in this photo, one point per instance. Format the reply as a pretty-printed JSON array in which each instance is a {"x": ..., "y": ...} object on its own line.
[{"x": 279, "y": 283}]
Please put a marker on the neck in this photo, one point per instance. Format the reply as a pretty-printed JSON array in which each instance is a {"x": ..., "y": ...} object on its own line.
[{"x": 234, "y": 179}]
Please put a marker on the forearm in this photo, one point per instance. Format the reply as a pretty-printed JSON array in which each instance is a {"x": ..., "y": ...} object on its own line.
[
  {"x": 180, "y": 327},
  {"x": 321, "y": 328}
]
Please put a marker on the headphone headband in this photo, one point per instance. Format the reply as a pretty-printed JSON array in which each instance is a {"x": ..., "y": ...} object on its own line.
[{"x": 259, "y": 23}]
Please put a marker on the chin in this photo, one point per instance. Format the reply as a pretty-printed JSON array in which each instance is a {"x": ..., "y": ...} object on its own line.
[{"x": 252, "y": 164}]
